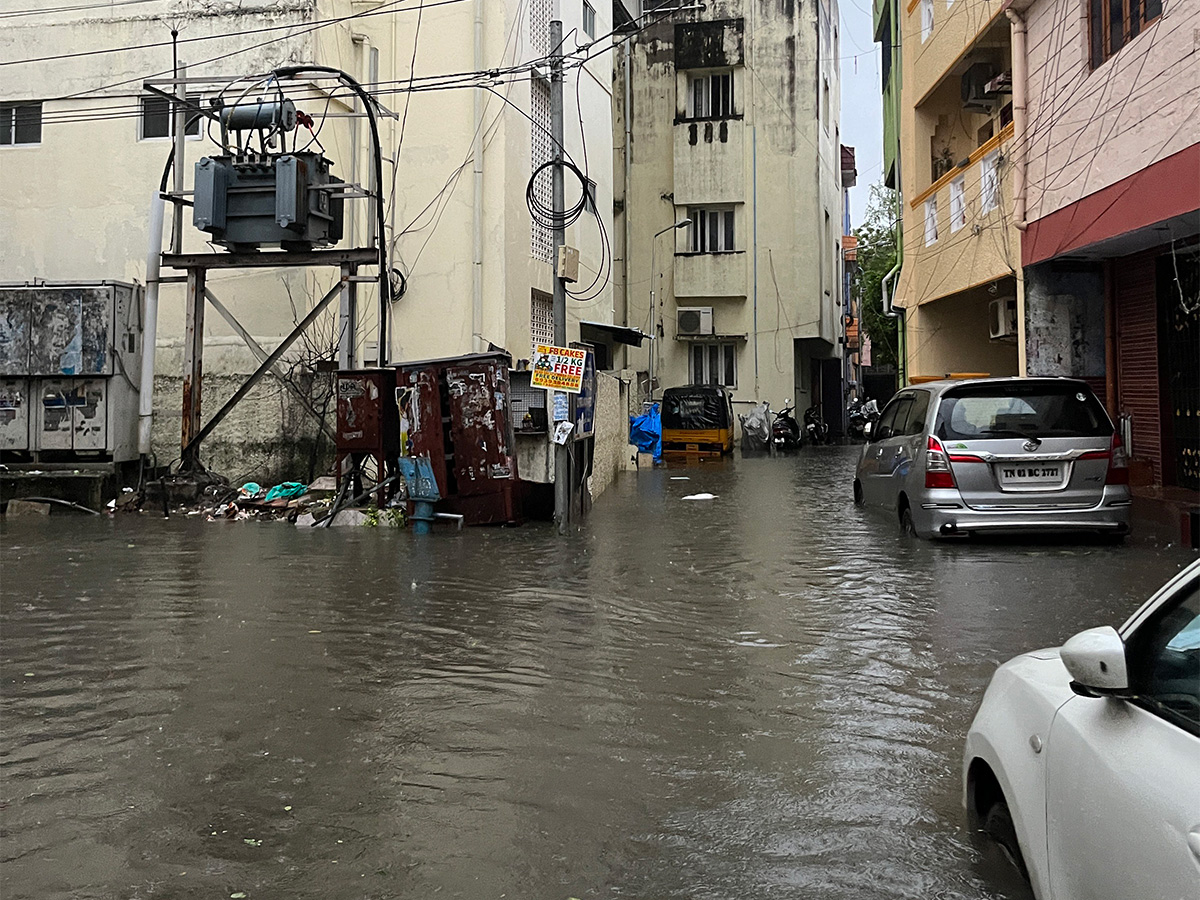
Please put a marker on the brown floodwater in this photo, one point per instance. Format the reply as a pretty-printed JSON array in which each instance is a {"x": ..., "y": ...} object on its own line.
[{"x": 764, "y": 694}]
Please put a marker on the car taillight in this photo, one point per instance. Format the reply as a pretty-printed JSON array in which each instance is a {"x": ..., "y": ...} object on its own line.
[
  {"x": 937, "y": 466},
  {"x": 1118, "y": 463}
]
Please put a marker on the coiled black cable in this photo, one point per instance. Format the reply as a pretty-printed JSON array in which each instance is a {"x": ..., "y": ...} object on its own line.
[{"x": 545, "y": 215}]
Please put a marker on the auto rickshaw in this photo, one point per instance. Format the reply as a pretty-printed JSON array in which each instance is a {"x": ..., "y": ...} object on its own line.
[{"x": 697, "y": 421}]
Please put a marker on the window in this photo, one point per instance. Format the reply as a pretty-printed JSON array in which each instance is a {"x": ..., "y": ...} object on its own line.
[
  {"x": 926, "y": 20},
  {"x": 1114, "y": 23},
  {"x": 714, "y": 364},
  {"x": 159, "y": 122},
  {"x": 958, "y": 204},
  {"x": 711, "y": 230},
  {"x": 989, "y": 183},
  {"x": 825, "y": 105},
  {"x": 1004, "y": 410},
  {"x": 589, "y": 20},
  {"x": 710, "y": 95},
  {"x": 541, "y": 151},
  {"x": 1164, "y": 661},
  {"x": 931, "y": 233},
  {"x": 914, "y": 421},
  {"x": 896, "y": 411},
  {"x": 541, "y": 318},
  {"x": 20, "y": 123}
]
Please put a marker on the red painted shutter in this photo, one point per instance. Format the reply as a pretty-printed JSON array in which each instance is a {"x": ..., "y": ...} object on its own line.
[{"x": 1137, "y": 356}]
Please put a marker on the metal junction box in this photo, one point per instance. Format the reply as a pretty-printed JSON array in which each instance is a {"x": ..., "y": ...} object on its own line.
[
  {"x": 70, "y": 360},
  {"x": 287, "y": 200}
]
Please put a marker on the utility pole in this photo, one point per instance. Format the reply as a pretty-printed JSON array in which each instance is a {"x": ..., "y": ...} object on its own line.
[{"x": 562, "y": 452}]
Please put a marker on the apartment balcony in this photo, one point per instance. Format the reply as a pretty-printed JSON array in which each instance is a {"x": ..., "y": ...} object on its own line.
[
  {"x": 972, "y": 239},
  {"x": 932, "y": 53},
  {"x": 711, "y": 275},
  {"x": 710, "y": 161}
]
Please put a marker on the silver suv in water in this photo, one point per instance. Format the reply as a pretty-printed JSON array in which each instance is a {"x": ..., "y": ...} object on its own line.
[{"x": 996, "y": 455}]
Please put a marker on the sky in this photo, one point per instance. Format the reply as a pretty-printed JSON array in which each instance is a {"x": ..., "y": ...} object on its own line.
[{"x": 862, "y": 109}]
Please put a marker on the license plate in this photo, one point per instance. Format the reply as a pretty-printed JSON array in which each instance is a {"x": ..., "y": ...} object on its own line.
[{"x": 1019, "y": 475}]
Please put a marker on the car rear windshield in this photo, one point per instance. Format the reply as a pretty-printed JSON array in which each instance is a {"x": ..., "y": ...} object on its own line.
[{"x": 1014, "y": 410}]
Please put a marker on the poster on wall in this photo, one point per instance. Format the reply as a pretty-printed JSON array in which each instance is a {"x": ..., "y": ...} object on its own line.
[{"x": 558, "y": 368}]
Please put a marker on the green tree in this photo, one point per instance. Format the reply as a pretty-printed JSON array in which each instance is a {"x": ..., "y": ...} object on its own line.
[{"x": 876, "y": 257}]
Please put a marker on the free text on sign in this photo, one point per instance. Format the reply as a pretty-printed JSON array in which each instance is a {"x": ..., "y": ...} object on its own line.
[{"x": 558, "y": 368}]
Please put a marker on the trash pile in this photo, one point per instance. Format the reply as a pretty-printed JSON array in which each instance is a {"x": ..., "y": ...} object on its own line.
[{"x": 291, "y": 501}]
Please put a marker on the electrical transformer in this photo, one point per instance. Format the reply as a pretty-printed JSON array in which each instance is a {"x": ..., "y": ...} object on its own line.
[
  {"x": 70, "y": 360},
  {"x": 287, "y": 200}
]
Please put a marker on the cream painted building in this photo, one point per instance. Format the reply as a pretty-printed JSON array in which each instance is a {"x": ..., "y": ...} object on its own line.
[
  {"x": 959, "y": 285},
  {"x": 86, "y": 146},
  {"x": 728, "y": 117}
]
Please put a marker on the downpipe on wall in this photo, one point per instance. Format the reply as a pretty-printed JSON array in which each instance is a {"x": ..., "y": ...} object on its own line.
[
  {"x": 477, "y": 209},
  {"x": 1020, "y": 99},
  {"x": 150, "y": 324}
]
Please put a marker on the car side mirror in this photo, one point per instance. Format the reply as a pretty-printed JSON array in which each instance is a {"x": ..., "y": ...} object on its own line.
[{"x": 1095, "y": 660}]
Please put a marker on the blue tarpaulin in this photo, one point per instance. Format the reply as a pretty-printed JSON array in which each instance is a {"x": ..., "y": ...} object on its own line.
[{"x": 645, "y": 432}]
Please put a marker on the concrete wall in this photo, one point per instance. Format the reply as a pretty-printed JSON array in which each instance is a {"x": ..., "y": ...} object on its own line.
[
  {"x": 1064, "y": 329},
  {"x": 1090, "y": 129},
  {"x": 82, "y": 209},
  {"x": 613, "y": 450}
]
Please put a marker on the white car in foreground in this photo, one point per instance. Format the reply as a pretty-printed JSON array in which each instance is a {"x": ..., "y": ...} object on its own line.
[{"x": 1083, "y": 761}]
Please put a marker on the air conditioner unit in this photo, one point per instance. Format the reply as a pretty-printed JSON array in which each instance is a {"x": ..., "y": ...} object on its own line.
[
  {"x": 1002, "y": 318},
  {"x": 974, "y": 88},
  {"x": 693, "y": 320}
]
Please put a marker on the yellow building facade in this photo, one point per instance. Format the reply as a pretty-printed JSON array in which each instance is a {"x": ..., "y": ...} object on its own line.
[{"x": 960, "y": 287}]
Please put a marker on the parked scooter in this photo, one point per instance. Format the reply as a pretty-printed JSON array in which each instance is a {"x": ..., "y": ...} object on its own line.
[
  {"x": 861, "y": 417},
  {"x": 815, "y": 429},
  {"x": 785, "y": 430},
  {"x": 756, "y": 429}
]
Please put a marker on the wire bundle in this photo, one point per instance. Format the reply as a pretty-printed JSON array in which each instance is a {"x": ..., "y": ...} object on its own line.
[{"x": 545, "y": 215}]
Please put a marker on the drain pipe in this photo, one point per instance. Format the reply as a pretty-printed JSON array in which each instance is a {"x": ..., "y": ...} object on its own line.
[
  {"x": 1020, "y": 99},
  {"x": 150, "y": 325},
  {"x": 477, "y": 212}
]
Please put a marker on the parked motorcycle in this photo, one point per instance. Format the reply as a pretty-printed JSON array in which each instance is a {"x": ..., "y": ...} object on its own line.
[
  {"x": 785, "y": 430},
  {"x": 861, "y": 417},
  {"x": 756, "y": 429},
  {"x": 815, "y": 429}
]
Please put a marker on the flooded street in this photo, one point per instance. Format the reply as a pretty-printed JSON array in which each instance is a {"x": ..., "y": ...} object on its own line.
[{"x": 765, "y": 694}]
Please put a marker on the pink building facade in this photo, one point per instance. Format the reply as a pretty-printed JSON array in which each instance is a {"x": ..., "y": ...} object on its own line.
[{"x": 1106, "y": 163}]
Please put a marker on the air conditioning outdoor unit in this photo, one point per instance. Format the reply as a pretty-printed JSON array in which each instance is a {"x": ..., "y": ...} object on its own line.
[
  {"x": 693, "y": 320},
  {"x": 1002, "y": 318}
]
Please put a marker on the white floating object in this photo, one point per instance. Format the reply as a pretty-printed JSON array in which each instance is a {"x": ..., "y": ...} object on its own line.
[
  {"x": 680, "y": 478},
  {"x": 700, "y": 497}
]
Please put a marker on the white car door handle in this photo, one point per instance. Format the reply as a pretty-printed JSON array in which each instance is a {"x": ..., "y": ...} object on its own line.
[{"x": 1193, "y": 840}]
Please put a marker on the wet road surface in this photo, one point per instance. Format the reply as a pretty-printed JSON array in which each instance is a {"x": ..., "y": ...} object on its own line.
[{"x": 761, "y": 695}]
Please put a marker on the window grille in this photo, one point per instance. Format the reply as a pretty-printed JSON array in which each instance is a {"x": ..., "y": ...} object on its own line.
[
  {"x": 931, "y": 223},
  {"x": 541, "y": 318},
  {"x": 158, "y": 120},
  {"x": 989, "y": 183},
  {"x": 20, "y": 123},
  {"x": 710, "y": 95},
  {"x": 958, "y": 204},
  {"x": 711, "y": 230},
  {"x": 714, "y": 364},
  {"x": 926, "y": 20},
  {"x": 541, "y": 152}
]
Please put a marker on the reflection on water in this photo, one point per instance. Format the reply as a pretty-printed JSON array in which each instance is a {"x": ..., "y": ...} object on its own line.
[{"x": 765, "y": 692}]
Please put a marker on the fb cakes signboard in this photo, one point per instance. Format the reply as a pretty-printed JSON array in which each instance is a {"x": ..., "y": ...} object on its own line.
[{"x": 558, "y": 368}]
